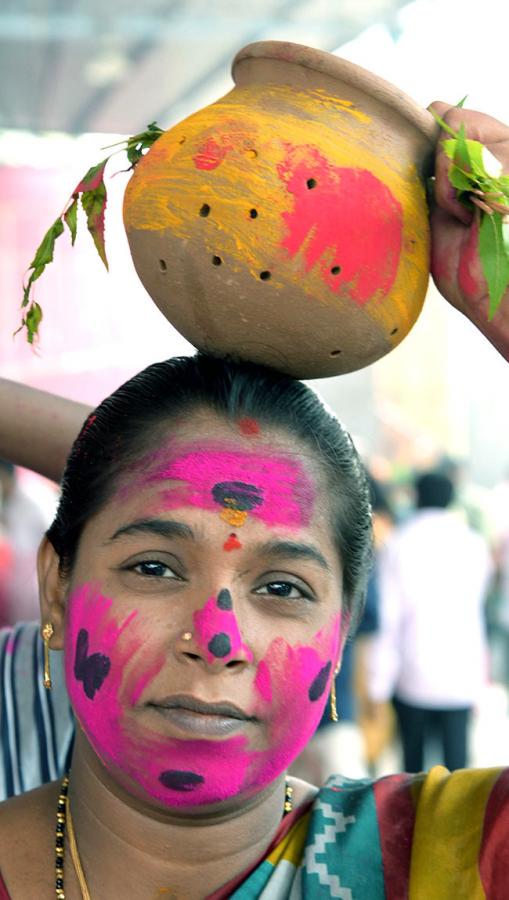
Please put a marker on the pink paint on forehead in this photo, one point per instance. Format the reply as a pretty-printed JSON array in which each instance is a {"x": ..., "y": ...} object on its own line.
[
  {"x": 285, "y": 489},
  {"x": 210, "y": 622}
]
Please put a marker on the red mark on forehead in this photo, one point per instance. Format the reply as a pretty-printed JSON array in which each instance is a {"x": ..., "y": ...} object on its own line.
[
  {"x": 344, "y": 219},
  {"x": 249, "y": 427},
  {"x": 232, "y": 543}
]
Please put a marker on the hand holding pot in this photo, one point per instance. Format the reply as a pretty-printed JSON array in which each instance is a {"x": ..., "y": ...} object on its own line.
[{"x": 455, "y": 264}]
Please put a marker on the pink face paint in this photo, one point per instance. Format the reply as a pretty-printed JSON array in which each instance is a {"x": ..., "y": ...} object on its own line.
[
  {"x": 232, "y": 543},
  {"x": 272, "y": 488},
  {"x": 179, "y": 772},
  {"x": 331, "y": 202},
  {"x": 150, "y": 761},
  {"x": 217, "y": 632}
]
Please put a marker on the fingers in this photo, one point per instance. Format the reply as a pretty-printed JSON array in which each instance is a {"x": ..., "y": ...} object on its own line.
[
  {"x": 480, "y": 127},
  {"x": 445, "y": 193}
]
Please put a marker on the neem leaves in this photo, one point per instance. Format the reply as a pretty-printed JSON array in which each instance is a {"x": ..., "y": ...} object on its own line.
[
  {"x": 475, "y": 173},
  {"x": 91, "y": 192}
]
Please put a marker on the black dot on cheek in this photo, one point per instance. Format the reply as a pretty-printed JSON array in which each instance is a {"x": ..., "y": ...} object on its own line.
[
  {"x": 224, "y": 599},
  {"x": 320, "y": 682},
  {"x": 220, "y": 645},
  {"x": 177, "y": 780}
]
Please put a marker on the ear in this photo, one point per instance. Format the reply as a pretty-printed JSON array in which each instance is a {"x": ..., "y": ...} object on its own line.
[{"x": 52, "y": 592}]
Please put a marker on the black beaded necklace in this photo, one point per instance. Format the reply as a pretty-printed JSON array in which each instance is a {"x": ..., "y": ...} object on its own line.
[{"x": 64, "y": 814}]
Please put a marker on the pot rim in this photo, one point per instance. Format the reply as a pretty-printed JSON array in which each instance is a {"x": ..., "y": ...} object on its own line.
[{"x": 346, "y": 71}]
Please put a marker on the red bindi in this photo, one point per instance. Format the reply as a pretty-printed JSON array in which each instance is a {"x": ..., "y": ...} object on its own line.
[
  {"x": 232, "y": 543},
  {"x": 249, "y": 426}
]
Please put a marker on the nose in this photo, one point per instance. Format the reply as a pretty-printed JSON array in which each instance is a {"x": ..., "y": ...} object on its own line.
[{"x": 216, "y": 636}]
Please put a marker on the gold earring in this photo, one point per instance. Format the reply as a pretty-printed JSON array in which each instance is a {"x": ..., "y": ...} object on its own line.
[
  {"x": 46, "y": 634},
  {"x": 333, "y": 707}
]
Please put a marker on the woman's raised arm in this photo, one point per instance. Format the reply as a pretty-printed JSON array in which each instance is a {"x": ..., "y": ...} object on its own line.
[{"x": 37, "y": 429}]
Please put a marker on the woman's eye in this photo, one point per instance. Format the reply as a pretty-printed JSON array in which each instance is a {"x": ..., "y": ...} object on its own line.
[
  {"x": 284, "y": 589},
  {"x": 153, "y": 568}
]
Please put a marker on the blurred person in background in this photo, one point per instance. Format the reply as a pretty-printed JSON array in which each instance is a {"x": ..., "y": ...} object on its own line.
[
  {"x": 430, "y": 655},
  {"x": 23, "y": 525}
]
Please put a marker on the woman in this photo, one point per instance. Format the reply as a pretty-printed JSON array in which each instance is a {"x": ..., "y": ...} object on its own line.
[
  {"x": 202, "y": 573},
  {"x": 205, "y": 566}
]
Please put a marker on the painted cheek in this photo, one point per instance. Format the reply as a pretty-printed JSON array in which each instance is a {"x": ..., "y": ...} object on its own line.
[
  {"x": 98, "y": 652},
  {"x": 217, "y": 632},
  {"x": 292, "y": 685}
]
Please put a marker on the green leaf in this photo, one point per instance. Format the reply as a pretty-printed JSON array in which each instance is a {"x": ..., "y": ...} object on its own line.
[
  {"x": 92, "y": 180},
  {"x": 462, "y": 155},
  {"x": 459, "y": 180},
  {"x": 43, "y": 256},
  {"x": 36, "y": 273},
  {"x": 71, "y": 219},
  {"x": 494, "y": 259},
  {"x": 443, "y": 124},
  {"x": 32, "y": 321},
  {"x": 94, "y": 204},
  {"x": 44, "y": 252},
  {"x": 461, "y": 102}
]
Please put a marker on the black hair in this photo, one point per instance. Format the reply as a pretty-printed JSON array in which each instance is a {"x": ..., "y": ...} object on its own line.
[
  {"x": 434, "y": 490},
  {"x": 122, "y": 429}
]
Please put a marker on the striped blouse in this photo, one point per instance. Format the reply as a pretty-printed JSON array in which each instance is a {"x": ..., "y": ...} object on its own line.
[{"x": 36, "y": 725}]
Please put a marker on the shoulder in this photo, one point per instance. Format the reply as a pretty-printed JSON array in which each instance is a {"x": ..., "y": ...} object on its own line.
[
  {"x": 382, "y": 837},
  {"x": 27, "y": 839}
]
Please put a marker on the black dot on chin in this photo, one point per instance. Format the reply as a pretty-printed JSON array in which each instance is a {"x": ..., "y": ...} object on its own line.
[
  {"x": 177, "y": 780},
  {"x": 224, "y": 599},
  {"x": 220, "y": 645},
  {"x": 320, "y": 682}
]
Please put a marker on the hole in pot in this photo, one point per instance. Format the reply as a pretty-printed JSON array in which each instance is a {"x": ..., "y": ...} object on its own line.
[
  {"x": 335, "y": 352},
  {"x": 311, "y": 183},
  {"x": 394, "y": 331},
  {"x": 265, "y": 275},
  {"x": 204, "y": 211},
  {"x": 253, "y": 213},
  {"x": 182, "y": 140},
  {"x": 162, "y": 265},
  {"x": 251, "y": 154},
  {"x": 217, "y": 261},
  {"x": 335, "y": 270}
]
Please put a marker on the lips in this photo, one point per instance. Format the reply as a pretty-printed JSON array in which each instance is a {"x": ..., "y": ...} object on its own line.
[
  {"x": 183, "y": 701},
  {"x": 201, "y": 719}
]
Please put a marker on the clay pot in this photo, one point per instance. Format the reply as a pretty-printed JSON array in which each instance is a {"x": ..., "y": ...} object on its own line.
[{"x": 287, "y": 222}]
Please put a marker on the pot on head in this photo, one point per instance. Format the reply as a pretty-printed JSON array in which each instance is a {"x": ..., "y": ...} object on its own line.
[{"x": 287, "y": 222}]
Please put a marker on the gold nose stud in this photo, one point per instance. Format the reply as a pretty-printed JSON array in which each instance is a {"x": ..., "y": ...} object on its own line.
[{"x": 187, "y": 636}]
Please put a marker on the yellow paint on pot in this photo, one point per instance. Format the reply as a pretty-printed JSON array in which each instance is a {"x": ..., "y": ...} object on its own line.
[{"x": 229, "y": 186}]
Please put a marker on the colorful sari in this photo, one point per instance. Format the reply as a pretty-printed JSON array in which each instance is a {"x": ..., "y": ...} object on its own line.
[{"x": 435, "y": 836}]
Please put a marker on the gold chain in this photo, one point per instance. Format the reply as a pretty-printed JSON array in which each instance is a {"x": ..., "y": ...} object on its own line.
[
  {"x": 76, "y": 861},
  {"x": 64, "y": 818}
]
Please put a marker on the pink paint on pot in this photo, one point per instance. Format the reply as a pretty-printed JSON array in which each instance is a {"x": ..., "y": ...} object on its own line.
[{"x": 343, "y": 219}]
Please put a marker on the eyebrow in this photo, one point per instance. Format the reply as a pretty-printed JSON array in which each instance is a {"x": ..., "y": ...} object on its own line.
[
  {"x": 294, "y": 550},
  {"x": 167, "y": 528}
]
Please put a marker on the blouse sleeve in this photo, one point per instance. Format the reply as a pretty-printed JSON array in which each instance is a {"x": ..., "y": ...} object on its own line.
[{"x": 36, "y": 725}]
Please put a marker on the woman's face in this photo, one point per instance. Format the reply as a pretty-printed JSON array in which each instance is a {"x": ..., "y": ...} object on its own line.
[{"x": 203, "y": 616}]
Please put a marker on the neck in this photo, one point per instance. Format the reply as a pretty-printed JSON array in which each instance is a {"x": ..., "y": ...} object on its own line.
[{"x": 131, "y": 849}]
